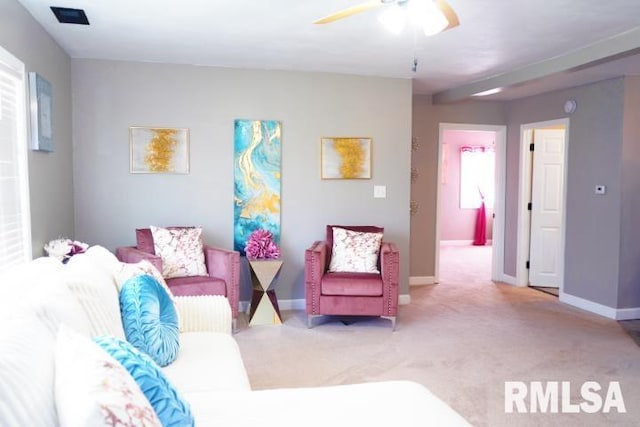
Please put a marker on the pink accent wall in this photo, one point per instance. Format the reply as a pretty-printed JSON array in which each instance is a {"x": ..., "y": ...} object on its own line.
[{"x": 456, "y": 223}]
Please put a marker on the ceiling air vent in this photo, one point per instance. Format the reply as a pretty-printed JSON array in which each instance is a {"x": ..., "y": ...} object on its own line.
[{"x": 66, "y": 15}]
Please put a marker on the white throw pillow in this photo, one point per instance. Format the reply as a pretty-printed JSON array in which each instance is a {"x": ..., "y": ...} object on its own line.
[
  {"x": 129, "y": 270},
  {"x": 93, "y": 389},
  {"x": 181, "y": 250},
  {"x": 96, "y": 290},
  {"x": 104, "y": 258},
  {"x": 354, "y": 251}
]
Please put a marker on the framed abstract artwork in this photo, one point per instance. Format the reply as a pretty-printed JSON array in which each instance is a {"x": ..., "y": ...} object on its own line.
[
  {"x": 159, "y": 150},
  {"x": 345, "y": 158},
  {"x": 41, "y": 101},
  {"x": 257, "y": 181}
]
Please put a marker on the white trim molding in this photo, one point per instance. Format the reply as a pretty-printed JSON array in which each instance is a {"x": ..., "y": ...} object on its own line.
[
  {"x": 499, "y": 202},
  {"x": 628, "y": 313},
  {"x": 509, "y": 280},
  {"x": 422, "y": 280},
  {"x": 602, "y": 310},
  {"x": 285, "y": 304},
  {"x": 301, "y": 304}
]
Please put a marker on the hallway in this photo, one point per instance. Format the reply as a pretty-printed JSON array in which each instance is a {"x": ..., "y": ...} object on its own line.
[{"x": 465, "y": 264}]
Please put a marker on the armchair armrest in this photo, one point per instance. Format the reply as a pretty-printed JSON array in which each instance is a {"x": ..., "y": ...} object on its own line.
[
  {"x": 204, "y": 313},
  {"x": 315, "y": 261},
  {"x": 225, "y": 264},
  {"x": 132, "y": 255},
  {"x": 390, "y": 270}
]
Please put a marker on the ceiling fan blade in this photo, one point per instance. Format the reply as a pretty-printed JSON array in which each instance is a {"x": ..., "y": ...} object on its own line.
[
  {"x": 362, "y": 7},
  {"x": 449, "y": 14}
]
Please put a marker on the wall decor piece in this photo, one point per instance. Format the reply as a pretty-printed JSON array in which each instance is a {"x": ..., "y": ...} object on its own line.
[
  {"x": 415, "y": 143},
  {"x": 345, "y": 158},
  {"x": 159, "y": 150},
  {"x": 413, "y": 207},
  {"x": 257, "y": 162},
  {"x": 41, "y": 101},
  {"x": 414, "y": 175}
]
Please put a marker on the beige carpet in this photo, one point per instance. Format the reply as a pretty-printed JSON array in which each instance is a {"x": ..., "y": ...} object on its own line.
[{"x": 462, "y": 339}]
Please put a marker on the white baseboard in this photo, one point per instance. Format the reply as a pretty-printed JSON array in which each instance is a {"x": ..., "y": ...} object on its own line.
[
  {"x": 421, "y": 280},
  {"x": 602, "y": 310},
  {"x": 509, "y": 280},
  {"x": 628, "y": 313},
  {"x": 283, "y": 304},
  {"x": 301, "y": 304}
]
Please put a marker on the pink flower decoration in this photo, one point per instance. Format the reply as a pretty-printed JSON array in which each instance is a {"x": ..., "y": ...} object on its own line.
[{"x": 260, "y": 245}]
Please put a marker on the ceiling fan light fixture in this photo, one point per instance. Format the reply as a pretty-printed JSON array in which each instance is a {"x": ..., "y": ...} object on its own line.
[
  {"x": 434, "y": 23},
  {"x": 393, "y": 18},
  {"x": 428, "y": 15}
]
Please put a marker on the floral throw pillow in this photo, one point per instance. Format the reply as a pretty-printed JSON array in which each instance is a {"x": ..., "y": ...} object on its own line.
[
  {"x": 181, "y": 250},
  {"x": 355, "y": 252},
  {"x": 93, "y": 389}
]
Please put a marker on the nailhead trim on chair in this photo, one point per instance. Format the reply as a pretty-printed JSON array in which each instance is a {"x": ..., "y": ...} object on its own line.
[
  {"x": 314, "y": 257},
  {"x": 388, "y": 273},
  {"x": 315, "y": 276}
]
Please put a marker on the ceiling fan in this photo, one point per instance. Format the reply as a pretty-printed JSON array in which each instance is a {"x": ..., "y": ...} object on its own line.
[{"x": 434, "y": 16}]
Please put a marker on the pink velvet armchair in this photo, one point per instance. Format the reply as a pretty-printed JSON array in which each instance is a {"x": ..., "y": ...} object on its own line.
[
  {"x": 358, "y": 294},
  {"x": 223, "y": 268}
]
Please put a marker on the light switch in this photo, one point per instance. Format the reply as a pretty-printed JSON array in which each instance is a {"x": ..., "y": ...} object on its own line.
[
  {"x": 601, "y": 189},
  {"x": 380, "y": 191}
]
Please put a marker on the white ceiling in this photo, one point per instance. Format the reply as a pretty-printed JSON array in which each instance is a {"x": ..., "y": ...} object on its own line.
[{"x": 531, "y": 46}]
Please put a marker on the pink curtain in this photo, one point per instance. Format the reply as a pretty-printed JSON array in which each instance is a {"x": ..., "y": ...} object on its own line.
[{"x": 480, "y": 236}]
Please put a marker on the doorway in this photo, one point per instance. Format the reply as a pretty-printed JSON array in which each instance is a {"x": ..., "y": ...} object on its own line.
[
  {"x": 451, "y": 137},
  {"x": 541, "y": 211}
]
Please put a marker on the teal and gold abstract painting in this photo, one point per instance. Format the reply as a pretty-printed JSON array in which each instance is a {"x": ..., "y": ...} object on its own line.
[{"x": 257, "y": 161}]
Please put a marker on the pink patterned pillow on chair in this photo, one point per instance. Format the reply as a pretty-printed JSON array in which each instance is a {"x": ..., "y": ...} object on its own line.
[
  {"x": 355, "y": 252},
  {"x": 181, "y": 250}
]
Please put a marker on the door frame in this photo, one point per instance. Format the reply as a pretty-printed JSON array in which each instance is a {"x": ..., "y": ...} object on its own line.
[
  {"x": 497, "y": 263},
  {"x": 524, "y": 192}
]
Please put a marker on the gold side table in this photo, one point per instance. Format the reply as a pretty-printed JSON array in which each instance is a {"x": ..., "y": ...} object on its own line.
[{"x": 264, "y": 304}]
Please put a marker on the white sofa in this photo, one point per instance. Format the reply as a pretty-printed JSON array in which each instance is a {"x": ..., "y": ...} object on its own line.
[{"x": 36, "y": 297}]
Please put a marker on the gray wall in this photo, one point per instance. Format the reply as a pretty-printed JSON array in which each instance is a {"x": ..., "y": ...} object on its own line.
[
  {"x": 592, "y": 244},
  {"x": 110, "y": 96},
  {"x": 629, "y": 287},
  {"x": 426, "y": 120},
  {"x": 50, "y": 174}
]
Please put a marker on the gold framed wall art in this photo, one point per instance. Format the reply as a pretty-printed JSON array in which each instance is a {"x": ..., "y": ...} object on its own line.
[
  {"x": 345, "y": 157},
  {"x": 159, "y": 150}
]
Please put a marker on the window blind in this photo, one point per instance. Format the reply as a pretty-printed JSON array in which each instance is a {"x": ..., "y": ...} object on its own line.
[{"x": 15, "y": 226}]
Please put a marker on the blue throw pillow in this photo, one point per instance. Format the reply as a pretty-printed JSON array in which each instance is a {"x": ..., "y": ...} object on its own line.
[
  {"x": 166, "y": 401},
  {"x": 149, "y": 318}
]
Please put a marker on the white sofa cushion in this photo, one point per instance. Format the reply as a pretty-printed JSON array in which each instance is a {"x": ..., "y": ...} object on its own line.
[
  {"x": 208, "y": 361},
  {"x": 39, "y": 287},
  {"x": 379, "y": 404},
  {"x": 27, "y": 346},
  {"x": 94, "y": 286}
]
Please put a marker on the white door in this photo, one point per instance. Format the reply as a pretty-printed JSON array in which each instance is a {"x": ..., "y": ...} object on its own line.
[{"x": 545, "y": 263}]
